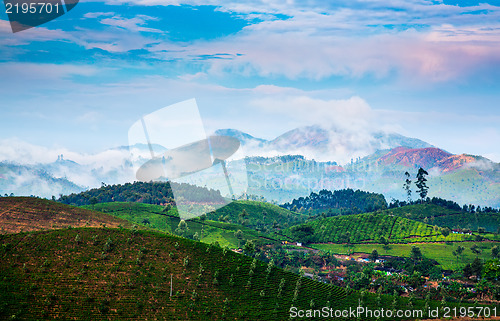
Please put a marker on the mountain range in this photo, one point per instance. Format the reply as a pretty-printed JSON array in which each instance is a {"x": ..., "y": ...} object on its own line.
[
  {"x": 375, "y": 164},
  {"x": 323, "y": 144}
]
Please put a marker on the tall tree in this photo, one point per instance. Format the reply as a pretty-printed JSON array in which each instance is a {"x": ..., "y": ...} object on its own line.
[
  {"x": 182, "y": 228},
  {"x": 373, "y": 256},
  {"x": 421, "y": 183},
  {"x": 93, "y": 201},
  {"x": 407, "y": 186},
  {"x": 477, "y": 267},
  {"x": 415, "y": 253},
  {"x": 445, "y": 231},
  {"x": 495, "y": 252}
]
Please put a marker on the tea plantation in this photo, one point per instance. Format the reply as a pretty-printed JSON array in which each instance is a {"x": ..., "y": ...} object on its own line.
[
  {"x": 369, "y": 228},
  {"x": 108, "y": 274}
]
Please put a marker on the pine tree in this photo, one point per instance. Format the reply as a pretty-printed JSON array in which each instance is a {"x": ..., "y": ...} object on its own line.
[
  {"x": 421, "y": 184},
  {"x": 407, "y": 187}
]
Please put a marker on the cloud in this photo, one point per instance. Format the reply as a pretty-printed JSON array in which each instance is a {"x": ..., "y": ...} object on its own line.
[
  {"x": 190, "y": 77},
  {"x": 349, "y": 125},
  {"x": 46, "y": 71},
  {"x": 21, "y": 152},
  {"x": 93, "y": 15},
  {"x": 15, "y": 150},
  {"x": 416, "y": 41},
  {"x": 111, "y": 166},
  {"x": 134, "y": 24},
  {"x": 415, "y": 56},
  {"x": 353, "y": 113},
  {"x": 420, "y": 44}
]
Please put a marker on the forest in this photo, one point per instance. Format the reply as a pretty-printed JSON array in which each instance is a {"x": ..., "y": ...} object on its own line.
[
  {"x": 142, "y": 192},
  {"x": 348, "y": 200}
]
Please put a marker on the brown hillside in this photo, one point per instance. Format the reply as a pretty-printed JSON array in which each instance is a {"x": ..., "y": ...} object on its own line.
[
  {"x": 23, "y": 214},
  {"x": 426, "y": 158},
  {"x": 456, "y": 161},
  {"x": 423, "y": 157}
]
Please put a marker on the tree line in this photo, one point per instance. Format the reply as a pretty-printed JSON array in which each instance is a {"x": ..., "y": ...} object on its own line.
[{"x": 143, "y": 192}]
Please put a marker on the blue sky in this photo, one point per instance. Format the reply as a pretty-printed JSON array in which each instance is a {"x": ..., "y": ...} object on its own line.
[{"x": 425, "y": 69}]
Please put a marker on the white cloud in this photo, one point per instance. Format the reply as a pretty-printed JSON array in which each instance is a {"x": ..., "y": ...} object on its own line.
[
  {"x": 415, "y": 55},
  {"x": 47, "y": 72},
  {"x": 426, "y": 43},
  {"x": 93, "y": 15},
  {"x": 21, "y": 152},
  {"x": 350, "y": 124},
  {"x": 350, "y": 43},
  {"x": 131, "y": 24},
  {"x": 110, "y": 166},
  {"x": 190, "y": 77},
  {"x": 348, "y": 114}
]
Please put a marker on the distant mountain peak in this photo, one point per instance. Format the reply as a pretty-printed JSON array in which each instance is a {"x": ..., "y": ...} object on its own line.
[
  {"x": 423, "y": 157},
  {"x": 244, "y": 138},
  {"x": 431, "y": 157},
  {"x": 392, "y": 140},
  {"x": 308, "y": 136}
]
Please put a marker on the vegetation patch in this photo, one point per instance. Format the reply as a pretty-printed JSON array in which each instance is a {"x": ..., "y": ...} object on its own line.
[{"x": 369, "y": 228}]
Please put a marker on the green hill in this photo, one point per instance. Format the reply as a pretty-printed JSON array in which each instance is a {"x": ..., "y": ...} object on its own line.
[
  {"x": 441, "y": 216},
  {"x": 105, "y": 273},
  {"x": 368, "y": 228},
  {"x": 259, "y": 215},
  {"x": 100, "y": 274},
  {"x": 108, "y": 274},
  {"x": 205, "y": 230}
]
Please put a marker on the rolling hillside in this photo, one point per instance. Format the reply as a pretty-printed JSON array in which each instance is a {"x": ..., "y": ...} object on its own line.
[
  {"x": 207, "y": 231},
  {"x": 101, "y": 274},
  {"x": 108, "y": 273},
  {"x": 259, "y": 215},
  {"x": 24, "y": 214},
  {"x": 441, "y": 216},
  {"x": 369, "y": 228}
]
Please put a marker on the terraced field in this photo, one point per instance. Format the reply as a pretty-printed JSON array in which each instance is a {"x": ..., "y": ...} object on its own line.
[
  {"x": 371, "y": 228},
  {"x": 440, "y": 216},
  {"x": 208, "y": 231},
  {"x": 103, "y": 274}
]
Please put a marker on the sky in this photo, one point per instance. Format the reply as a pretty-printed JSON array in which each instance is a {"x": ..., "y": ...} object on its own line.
[{"x": 424, "y": 69}]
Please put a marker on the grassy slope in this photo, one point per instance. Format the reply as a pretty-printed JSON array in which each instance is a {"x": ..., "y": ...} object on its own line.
[
  {"x": 467, "y": 185},
  {"x": 369, "y": 228},
  {"x": 256, "y": 210},
  {"x": 31, "y": 214},
  {"x": 101, "y": 273},
  {"x": 437, "y": 215},
  {"x": 45, "y": 275},
  {"x": 440, "y": 252},
  {"x": 168, "y": 222}
]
